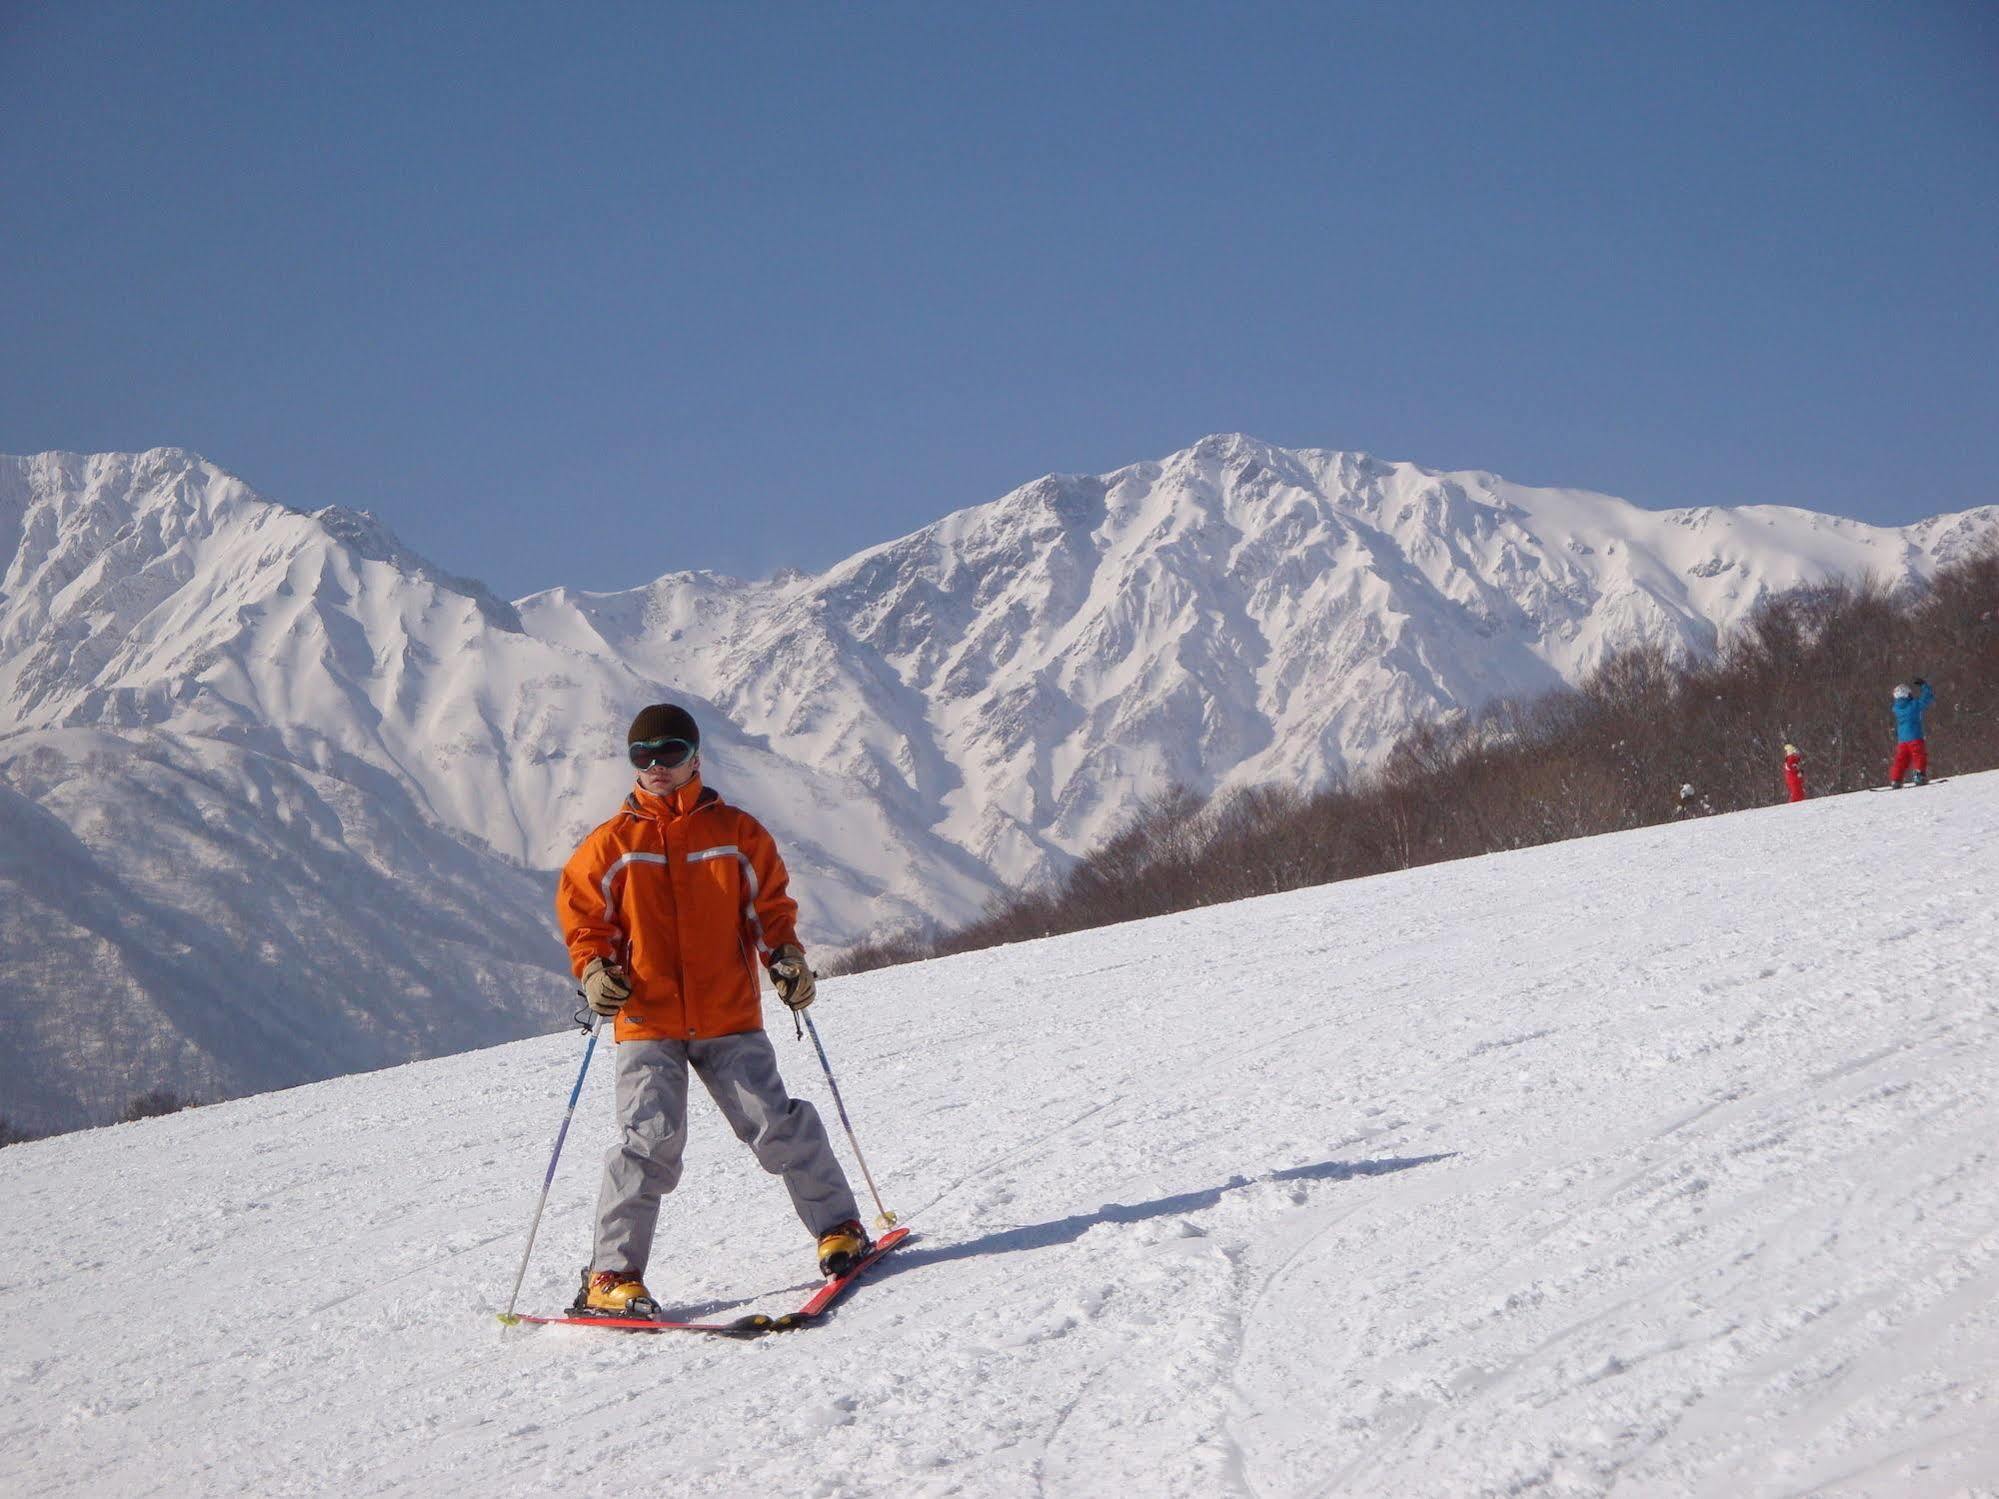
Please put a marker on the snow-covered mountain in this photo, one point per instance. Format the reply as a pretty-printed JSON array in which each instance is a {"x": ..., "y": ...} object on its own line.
[
  {"x": 187, "y": 912},
  {"x": 157, "y": 592},
  {"x": 1017, "y": 674},
  {"x": 278, "y": 798},
  {"x": 1487, "y": 1178},
  {"x": 198, "y": 685}
]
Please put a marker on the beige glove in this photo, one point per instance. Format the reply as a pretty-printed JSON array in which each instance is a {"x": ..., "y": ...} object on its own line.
[
  {"x": 605, "y": 987},
  {"x": 793, "y": 976}
]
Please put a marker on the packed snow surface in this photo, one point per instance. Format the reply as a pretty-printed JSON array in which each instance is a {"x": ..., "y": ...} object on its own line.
[{"x": 1657, "y": 1163}]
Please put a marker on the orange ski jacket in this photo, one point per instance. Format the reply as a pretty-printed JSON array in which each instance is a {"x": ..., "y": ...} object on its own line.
[{"x": 686, "y": 893}]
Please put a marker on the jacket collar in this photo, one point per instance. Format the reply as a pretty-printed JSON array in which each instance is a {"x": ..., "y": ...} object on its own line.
[{"x": 675, "y": 805}]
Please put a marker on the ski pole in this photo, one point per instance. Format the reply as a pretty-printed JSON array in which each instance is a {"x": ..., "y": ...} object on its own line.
[
  {"x": 507, "y": 1317},
  {"x": 887, "y": 1219}
]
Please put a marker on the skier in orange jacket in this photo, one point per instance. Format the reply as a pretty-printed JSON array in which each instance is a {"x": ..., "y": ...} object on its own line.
[{"x": 668, "y": 910}]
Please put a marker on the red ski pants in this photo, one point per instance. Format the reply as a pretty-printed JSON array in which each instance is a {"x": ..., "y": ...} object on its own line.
[{"x": 1910, "y": 754}]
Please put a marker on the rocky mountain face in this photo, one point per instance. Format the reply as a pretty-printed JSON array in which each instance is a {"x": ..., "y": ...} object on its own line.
[
  {"x": 279, "y": 798},
  {"x": 1016, "y": 675}
]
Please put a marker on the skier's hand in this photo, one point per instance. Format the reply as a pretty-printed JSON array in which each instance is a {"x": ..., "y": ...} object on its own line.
[
  {"x": 605, "y": 987},
  {"x": 793, "y": 976}
]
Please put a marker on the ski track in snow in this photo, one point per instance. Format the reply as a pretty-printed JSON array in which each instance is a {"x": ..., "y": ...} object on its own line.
[{"x": 1659, "y": 1163}]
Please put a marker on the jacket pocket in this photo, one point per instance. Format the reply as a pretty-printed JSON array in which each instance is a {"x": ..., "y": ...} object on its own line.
[{"x": 719, "y": 875}]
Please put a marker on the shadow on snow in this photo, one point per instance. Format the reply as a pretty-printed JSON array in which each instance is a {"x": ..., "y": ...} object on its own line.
[{"x": 1068, "y": 1230}]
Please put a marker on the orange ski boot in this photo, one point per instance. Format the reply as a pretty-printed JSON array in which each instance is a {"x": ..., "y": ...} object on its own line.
[{"x": 842, "y": 1247}]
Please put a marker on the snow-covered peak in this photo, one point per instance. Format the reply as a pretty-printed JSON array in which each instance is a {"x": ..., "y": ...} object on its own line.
[
  {"x": 363, "y": 533},
  {"x": 1006, "y": 681},
  {"x": 157, "y": 591},
  {"x": 1018, "y": 672},
  {"x": 266, "y": 696}
]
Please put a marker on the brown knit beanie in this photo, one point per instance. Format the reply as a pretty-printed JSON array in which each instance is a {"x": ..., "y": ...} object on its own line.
[{"x": 664, "y": 721}]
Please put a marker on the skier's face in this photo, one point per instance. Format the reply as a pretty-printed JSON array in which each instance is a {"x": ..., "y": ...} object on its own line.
[{"x": 660, "y": 780}]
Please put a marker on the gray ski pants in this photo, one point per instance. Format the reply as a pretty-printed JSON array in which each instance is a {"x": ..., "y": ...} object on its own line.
[{"x": 740, "y": 1073}]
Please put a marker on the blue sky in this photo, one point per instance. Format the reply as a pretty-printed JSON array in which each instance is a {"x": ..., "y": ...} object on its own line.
[{"x": 583, "y": 294}]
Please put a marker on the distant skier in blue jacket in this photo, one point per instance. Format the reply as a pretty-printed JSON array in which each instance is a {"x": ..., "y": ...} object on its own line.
[{"x": 1912, "y": 755}]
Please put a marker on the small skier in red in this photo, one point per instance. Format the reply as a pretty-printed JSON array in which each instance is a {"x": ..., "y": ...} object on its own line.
[{"x": 1794, "y": 773}]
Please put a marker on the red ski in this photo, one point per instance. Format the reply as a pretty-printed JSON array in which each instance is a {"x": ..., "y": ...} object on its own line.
[{"x": 754, "y": 1325}]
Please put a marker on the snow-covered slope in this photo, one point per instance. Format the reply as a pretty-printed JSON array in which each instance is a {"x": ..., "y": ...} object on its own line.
[
  {"x": 156, "y": 935},
  {"x": 1484, "y": 1178}
]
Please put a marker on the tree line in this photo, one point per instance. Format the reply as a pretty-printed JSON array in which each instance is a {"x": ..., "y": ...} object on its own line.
[
  {"x": 148, "y": 1105},
  {"x": 1814, "y": 667}
]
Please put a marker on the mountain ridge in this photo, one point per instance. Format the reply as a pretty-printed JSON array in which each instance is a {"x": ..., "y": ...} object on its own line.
[
  {"x": 970, "y": 705},
  {"x": 1204, "y": 624}
]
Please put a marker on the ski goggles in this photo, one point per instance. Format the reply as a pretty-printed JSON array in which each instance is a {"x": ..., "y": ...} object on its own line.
[{"x": 670, "y": 753}]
